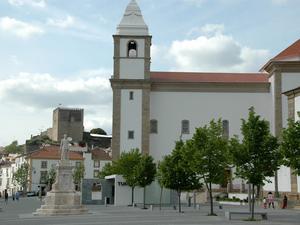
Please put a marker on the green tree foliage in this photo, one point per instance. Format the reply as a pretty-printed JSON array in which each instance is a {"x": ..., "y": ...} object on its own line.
[
  {"x": 98, "y": 131},
  {"x": 21, "y": 176},
  {"x": 258, "y": 156},
  {"x": 127, "y": 166},
  {"x": 13, "y": 148},
  {"x": 210, "y": 155},
  {"x": 146, "y": 170},
  {"x": 78, "y": 173},
  {"x": 51, "y": 176},
  {"x": 108, "y": 169},
  {"x": 175, "y": 173},
  {"x": 290, "y": 145}
]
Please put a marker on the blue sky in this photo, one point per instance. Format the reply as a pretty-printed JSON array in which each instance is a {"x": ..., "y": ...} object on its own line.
[{"x": 60, "y": 51}]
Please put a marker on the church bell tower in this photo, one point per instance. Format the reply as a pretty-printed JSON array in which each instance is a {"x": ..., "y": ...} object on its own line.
[{"x": 131, "y": 83}]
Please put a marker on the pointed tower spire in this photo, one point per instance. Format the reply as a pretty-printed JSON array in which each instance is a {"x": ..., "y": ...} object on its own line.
[{"x": 132, "y": 22}]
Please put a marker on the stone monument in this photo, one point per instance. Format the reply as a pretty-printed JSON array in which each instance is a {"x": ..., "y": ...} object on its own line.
[{"x": 63, "y": 199}]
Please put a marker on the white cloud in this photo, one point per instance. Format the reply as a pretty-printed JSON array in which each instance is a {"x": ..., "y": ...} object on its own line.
[
  {"x": 19, "y": 28},
  {"x": 64, "y": 23},
  {"x": 34, "y": 3},
  {"x": 215, "y": 51},
  {"x": 46, "y": 91}
]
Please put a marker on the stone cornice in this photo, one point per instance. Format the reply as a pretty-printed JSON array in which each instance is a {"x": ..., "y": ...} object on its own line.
[{"x": 282, "y": 66}]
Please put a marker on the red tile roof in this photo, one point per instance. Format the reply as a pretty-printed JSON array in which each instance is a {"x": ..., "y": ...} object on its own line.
[
  {"x": 100, "y": 154},
  {"x": 209, "y": 77},
  {"x": 53, "y": 152},
  {"x": 290, "y": 52}
]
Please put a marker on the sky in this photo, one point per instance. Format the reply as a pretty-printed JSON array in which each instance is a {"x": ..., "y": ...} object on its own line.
[{"x": 60, "y": 52}]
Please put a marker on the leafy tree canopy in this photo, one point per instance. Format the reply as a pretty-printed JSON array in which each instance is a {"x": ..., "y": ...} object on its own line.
[
  {"x": 258, "y": 156},
  {"x": 290, "y": 145},
  {"x": 98, "y": 131},
  {"x": 21, "y": 176},
  {"x": 13, "y": 148},
  {"x": 146, "y": 170},
  {"x": 78, "y": 173}
]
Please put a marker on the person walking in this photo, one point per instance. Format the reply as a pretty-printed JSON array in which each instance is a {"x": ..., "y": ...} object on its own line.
[
  {"x": 17, "y": 196},
  {"x": 6, "y": 196},
  {"x": 271, "y": 200},
  {"x": 265, "y": 203},
  {"x": 284, "y": 202}
]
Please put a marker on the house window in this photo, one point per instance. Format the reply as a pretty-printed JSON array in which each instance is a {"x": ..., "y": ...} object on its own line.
[
  {"x": 132, "y": 49},
  {"x": 96, "y": 173},
  {"x": 130, "y": 134},
  {"x": 130, "y": 95},
  {"x": 77, "y": 164},
  {"x": 153, "y": 126},
  {"x": 96, "y": 163},
  {"x": 185, "y": 127},
  {"x": 225, "y": 124},
  {"x": 44, "y": 164},
  {"x": 43, "y": 177}
]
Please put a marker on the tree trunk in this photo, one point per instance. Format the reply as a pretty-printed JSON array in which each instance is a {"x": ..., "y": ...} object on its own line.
[
  {"x": 253, "y": 201},
  {"x": 276, "y": 184},
  {"x": 144, "y": 202},
  {"x": 132, "y": 196},
  {"x": 211, "y": 200},
  {"x": 179, "y": 201},
  {"x": 160, "y": 197},
  {"x": 249, "y": 197}
]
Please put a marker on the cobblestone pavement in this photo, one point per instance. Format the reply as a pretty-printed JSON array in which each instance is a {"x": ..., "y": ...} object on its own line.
[{"x": 21, "y": 213}]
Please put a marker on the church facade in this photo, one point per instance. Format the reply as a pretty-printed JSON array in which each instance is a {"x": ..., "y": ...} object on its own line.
[{"x": 153, "y": 109}]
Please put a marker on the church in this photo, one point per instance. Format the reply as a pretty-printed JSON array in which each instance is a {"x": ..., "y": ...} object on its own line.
[{"x": 153, "y": 109}]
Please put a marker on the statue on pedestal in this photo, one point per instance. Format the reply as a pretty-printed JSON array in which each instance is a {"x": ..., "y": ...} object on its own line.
[{"x": 64, "y": 148}]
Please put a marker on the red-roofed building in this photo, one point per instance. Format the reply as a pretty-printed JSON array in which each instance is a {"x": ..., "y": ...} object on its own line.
[
  {"x": 44, "y": 159},
  {"x": 151, "y": 110}
]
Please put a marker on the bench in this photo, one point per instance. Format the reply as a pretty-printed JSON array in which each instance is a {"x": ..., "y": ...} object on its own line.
[{"x": 263, "y": 215}]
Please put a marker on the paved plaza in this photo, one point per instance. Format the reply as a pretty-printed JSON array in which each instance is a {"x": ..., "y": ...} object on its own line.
[{"x": 20, "y": 213}]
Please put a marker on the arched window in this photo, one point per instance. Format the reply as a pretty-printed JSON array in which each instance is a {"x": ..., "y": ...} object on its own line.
[
  {"x": 185, "y": 127},
  {"x": 153, "y": 126},
  {"x": 225, "y": 124},
  {"x": 132, "y": 49}
]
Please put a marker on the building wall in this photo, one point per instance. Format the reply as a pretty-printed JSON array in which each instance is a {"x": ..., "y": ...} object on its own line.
[
  {"x": 170, "y": 108},
  {"x": 131, "y": 119},
  {"x": 36, "y": 170}
]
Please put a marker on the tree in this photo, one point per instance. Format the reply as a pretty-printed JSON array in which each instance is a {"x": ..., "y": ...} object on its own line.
[
  {"x": 51, "y": 176},
  {"x": 98, "y": 131},
  {"x": 127, "y": 166},
  {"x": 78, "y": 174},
  {"x": 159, "y": 177},
  {"x": 13, "y": 148},
  {"x": 175, "y": 172},
  {"x": 258, "y": 156},
  {"x": 21, "y": 176},
  {"x": 146, "y": 170},
  {"x": 290, "y": 146},
  {"x": 210, "y": 156},
  {"x": 108, "y": 169}
]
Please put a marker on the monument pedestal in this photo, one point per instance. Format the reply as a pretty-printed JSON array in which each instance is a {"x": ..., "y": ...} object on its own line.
[{"x": 62, "y": 199}]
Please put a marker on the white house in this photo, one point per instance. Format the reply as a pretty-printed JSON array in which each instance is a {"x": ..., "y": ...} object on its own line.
[{"x": 153, "y": 109}]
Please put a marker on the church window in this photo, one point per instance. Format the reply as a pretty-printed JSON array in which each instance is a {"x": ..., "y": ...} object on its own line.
[
  {"x": 153, "y": 126},
  {"x": 131, "y": 95},
  {"x": 225, "y": 124},
  {"x": 44, "y": 164},
  {"x": 185, "y": 127},
  {"x": 130, "y": 134},
  {"x": 132, "y": 49}
]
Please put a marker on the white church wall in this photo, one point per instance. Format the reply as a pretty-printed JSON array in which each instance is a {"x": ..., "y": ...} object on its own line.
[
  {"x": 170, "y": 108},
  {"x": 289, "y": 81},
  {"x": 131, "y": 68},
  {"x": 131, "y": 120},
  {"x": 284, "y": 179},
  {"x": 297, "y": 107}
]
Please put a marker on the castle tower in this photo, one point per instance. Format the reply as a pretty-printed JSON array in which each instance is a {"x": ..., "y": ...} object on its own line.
[{"x": 131, "y": 83}]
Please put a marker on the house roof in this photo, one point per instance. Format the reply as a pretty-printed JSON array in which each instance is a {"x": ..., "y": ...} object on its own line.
[
  {"x": 209, "y": 77},
  {"x": 53, "y": 152},
  {"x": 293, "y": 51},
  {"x": 100, "y": 154}
]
